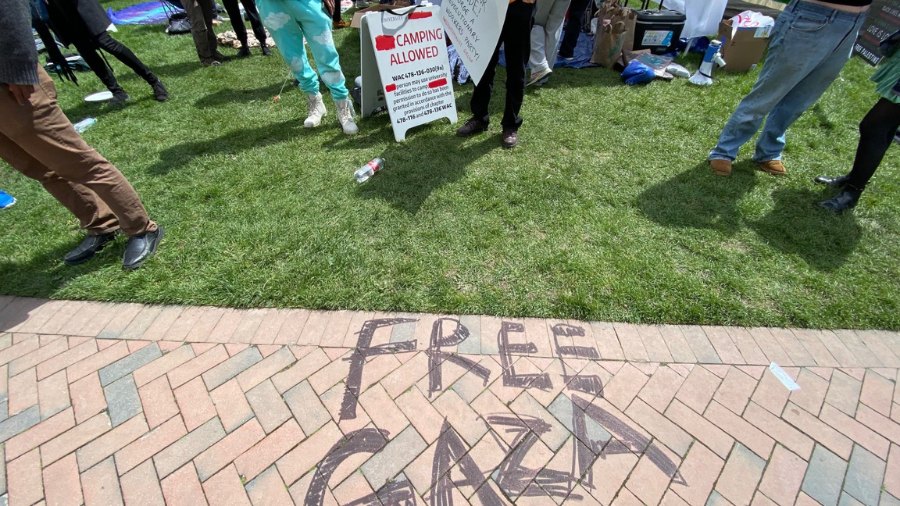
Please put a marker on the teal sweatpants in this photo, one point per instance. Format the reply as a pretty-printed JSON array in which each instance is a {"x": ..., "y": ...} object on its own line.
[{"x": 289, "y": 21}]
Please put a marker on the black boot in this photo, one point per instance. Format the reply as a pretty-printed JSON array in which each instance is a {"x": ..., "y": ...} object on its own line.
[
  {"x": 846, "y": 199},
  {"x": 834, "y": 182},
  {"x": 265, "y": 49},
  {"x": 119, "y": 96},
  {"x": 244, "y": 51},
  {"x": 160, "y": 93}
]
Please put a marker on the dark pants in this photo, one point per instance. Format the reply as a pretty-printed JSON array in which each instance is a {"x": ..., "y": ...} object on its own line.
[
  {"x": 201, "y": 14},
  {"x": 516, "y": 40},
  {"x": 336, "y": 15},
  {"x": 573, "y": 28},
  {"x": 240, "y": 29},
  {"x": 876, "y": 132},
  {"x": 88, "y": 50}
]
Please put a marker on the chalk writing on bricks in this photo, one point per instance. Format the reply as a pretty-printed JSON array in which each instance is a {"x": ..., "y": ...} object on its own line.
[{"x": 598, "y": 432}]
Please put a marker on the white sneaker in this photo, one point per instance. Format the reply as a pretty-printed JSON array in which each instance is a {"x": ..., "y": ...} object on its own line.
[
  {"x": 316, "y": 108},
  {"x": 540, "y": 77},
  {"x": 345, "y": 116}
]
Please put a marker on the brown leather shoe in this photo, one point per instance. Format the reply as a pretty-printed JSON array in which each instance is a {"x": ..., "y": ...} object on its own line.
[
  {"x": 774, "y": 167},
  {"x": 720, "y": 167}
]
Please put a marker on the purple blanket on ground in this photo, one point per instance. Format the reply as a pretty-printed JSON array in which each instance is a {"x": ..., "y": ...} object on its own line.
[{"x": 147, "y": 13}]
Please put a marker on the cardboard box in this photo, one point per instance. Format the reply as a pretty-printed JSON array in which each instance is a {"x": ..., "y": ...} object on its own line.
[
  {"x": 357, "y": 16},
  {"x": 744, "y": 48}
]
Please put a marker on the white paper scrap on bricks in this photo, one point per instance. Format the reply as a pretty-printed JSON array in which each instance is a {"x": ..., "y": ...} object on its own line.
[
  {"x": 405, "y": 64},
  {"x": 474, "y": 27}
]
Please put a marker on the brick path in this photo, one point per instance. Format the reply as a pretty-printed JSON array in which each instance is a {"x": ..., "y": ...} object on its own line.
[{"x": 130, "y": 404}]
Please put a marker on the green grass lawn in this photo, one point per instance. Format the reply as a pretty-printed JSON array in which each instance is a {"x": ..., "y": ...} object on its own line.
[{"x": 606, "y": 211}]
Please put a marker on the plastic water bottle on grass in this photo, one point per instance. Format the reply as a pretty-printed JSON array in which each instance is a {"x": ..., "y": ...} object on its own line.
[
  {"x": 368, "y": 170},
  {"x": 84, "y": 124}
]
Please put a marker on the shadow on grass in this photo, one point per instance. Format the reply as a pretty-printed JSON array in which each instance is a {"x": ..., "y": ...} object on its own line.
[
  {"x": 408, "y": 179},
  {"x": 698, "y": 199},
  {"x": 229, "y": 96},
  {"x": 798, "y": 226},
  {"x": 45, "y": 273},
  {"x": 97, "y": 110},
  {"x": 233, "y": 142},
  {"x": 179, "y": 69}
]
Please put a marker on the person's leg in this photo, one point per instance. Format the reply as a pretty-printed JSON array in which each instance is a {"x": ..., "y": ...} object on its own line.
[
  {"x": 573, "y": 28},
  {"x": 195, "y": 10},
  {"x": 88, "y": 51},
  {"x": 537, "y": 60},
  {"x": 42, "y": 130},
  {"x": 237, "y": 22},
  {"x": 829, "y": 49},
  {"x": 126, "y": 56},
  {"x": 793, "y": 54},
  {"x": 481, "y": 97},
  {"x": 93, "y": 214},
  {"x": 516, "y": 42},
  {"x": 553, "y": 28},
  {"x": 317, "y": 26},
  {"x": 278, "y": 16},
  {"x": 255, "y": 22},
  {"x": 209, "y": 14},
  {"x": 876, "y": 132},
  {"x": 336, "y": 16}
]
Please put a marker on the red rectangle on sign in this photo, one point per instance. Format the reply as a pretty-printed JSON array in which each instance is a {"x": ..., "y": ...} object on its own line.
[
  {"x": 391, "y": 87},
  {"x": 437, "y": 83},
  {"x": 419, "y": 15},
  {"x": 385, "y": 42}
]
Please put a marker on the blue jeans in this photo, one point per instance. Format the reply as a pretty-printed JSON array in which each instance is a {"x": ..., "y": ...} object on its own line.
[{"x": 809, "y": 46}]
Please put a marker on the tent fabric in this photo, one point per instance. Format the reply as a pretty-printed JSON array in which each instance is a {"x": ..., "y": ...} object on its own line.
[
  {"x": 702, "y": 16},
  {"x": 147, "y": 13},
  {"x": 582, "y": 54}
]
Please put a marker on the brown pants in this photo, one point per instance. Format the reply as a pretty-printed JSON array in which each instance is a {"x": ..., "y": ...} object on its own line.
[
  {"x": 201, "y": 14},
  {"x": 38, "y": 140}
]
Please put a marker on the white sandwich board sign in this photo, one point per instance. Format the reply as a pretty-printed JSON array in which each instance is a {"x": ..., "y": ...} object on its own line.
[{"x": 405, "y": 66}]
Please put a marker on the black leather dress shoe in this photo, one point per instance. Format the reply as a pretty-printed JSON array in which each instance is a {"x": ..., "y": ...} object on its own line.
[
  {"x": 243, "y": 52},
  {"x": 473, "y": 126},
  {"x": 88, "y": 247},
  {"x": 509, "y": 139},
  {"x": 141, "y": 247},
  {"x": 834, "y": 182},
  {"x": 847, "y": 199},
  {"x": 265, "y": 50}
]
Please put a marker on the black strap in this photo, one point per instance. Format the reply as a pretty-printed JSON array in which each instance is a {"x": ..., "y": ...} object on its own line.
[{"x": 414, "y": 7}]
